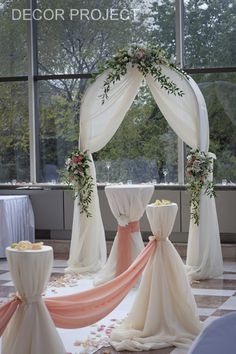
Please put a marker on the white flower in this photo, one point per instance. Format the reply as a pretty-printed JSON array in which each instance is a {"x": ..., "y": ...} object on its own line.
[
  {"x": 24, "y": 245},
  {"x": 123, "y": 220},
  {"x": 68, "y": 161},
  {"x": 130, "y": 52}
]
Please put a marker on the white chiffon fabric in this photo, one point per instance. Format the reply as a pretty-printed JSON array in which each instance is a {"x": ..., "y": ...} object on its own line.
[
  {"x": 31, "y": 329},
  {"x": 187, "y": 116},
  {"x": 98, "y": 123},
  {"x": 16, "y": 220},
  {"x": 164, "y": 312},
  {"x": 88, "y": 245},
  {"x": 204, "y": 256},
  {"x": 127, "y": 203}
]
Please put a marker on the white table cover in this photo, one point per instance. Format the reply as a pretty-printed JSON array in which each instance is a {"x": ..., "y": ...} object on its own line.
[
  {"x": 31, "y": 329},
  {"x": 16, "y": 220},
  {"x": 127, "y": 203},
  {"x": 164, "y": 312}
]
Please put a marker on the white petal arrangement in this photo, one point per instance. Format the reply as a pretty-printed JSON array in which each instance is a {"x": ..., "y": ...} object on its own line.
[{"x": 27, "y": 246}]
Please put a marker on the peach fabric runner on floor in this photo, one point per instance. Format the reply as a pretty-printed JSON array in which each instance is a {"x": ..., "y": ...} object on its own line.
[
  {"x": 85, "y": 308},
  {"x": 124, "y": 246}
]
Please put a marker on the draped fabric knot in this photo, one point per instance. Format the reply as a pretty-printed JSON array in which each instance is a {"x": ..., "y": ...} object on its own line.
[
  {"x": 31, "y": 299},
  {"x": 15, "y": 297},
  {"x": 124, "y": 245},
  {"x": 123, "y": 220},
  {"x": 129, "y": 228},
  {"x": 157, "y": 238}
]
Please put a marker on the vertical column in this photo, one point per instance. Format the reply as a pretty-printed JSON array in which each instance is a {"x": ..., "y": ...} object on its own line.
[
  {"x": 179, "y": 29},
  {"x": 33, "y": 97}
]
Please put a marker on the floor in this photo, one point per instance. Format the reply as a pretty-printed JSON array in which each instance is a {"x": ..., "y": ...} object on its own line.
[{"x": 214, "y": 298}]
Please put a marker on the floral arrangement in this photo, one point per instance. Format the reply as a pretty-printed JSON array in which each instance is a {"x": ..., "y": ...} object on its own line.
[
  {"x": 163, "y": 202},
  {"x": 148, "y": 60},
  {"x": 27, "y": 245},
  {"x": 77, "y": 176},
  {"x": 199, "y": 166}
]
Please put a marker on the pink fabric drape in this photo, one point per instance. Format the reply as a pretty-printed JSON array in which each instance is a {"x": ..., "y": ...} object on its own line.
[
  {"x": 124, "y": 246},
  {"x": 6, "y": 312},
  {"x": 83, "y": 309}
]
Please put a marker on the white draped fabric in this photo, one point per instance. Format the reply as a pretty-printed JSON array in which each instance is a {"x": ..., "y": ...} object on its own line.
[
  {"x": 31, "y": 330},
  {"x": 189, "y": 119},
  {"x": 128, "y": 203},
  {"x": 164, "y": 312},
  {"x": 16, "y": 220},
  {"x": 98, "y": 123},
  {"x": 88, "y": 246},
  {"x": 187, "y": 116}
]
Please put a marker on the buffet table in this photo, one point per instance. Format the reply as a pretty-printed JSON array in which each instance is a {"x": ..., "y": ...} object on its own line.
[
  {"x": 127, "y": 203},
  {"x": 16, "y": 220},
  {"x": 31, "y": 330}
]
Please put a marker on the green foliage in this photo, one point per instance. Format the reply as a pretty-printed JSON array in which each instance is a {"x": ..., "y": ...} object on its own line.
[
  {"x": 199, "y": 168},
  {"x": 77, "y": 176},
  {"x": 148, "y": 60}
]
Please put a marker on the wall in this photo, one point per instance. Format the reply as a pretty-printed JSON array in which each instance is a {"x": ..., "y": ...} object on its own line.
[{"x": 53, "y": 209}]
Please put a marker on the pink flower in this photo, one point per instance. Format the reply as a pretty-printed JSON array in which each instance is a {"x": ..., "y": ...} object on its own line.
[
  {"x": 140, "y": 53},
  {"x": 77, "y": 159}
]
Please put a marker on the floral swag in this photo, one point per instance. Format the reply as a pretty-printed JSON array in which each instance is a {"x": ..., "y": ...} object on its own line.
[
  {"x": 199, "y": 166},
  {"x": 148, "y": 61},
  {"x": 77, "y": 176}
]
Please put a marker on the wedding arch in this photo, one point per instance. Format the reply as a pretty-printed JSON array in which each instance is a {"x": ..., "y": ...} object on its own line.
[{"x": 99, "y": 121}]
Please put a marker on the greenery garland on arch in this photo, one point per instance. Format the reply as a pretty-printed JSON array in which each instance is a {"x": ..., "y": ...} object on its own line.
[
  {"x": 148, "y": 61},
  {"x": 199, "y": 167}
]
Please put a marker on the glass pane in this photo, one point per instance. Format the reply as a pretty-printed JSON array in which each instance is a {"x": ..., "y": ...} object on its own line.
[
  {"x": 14, "y": 127},
  {"x": 59, "y": 103},
  {"x": 210, "y": 32},
  {"x": 219, "y": 91},
  {"x": 88, "y": 32},
  {"x": 13, "y": 38},
  {"x": 144, "y": 149}
]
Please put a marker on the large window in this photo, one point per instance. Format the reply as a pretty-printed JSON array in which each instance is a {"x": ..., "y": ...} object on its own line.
[
  {"x": 144, "y": 149},
  {"x": 46, "y": 66},
  {"x": 59, "y": 104},
  {"x": 90, "y": 31},
  {"x": 14, "y": 136},
  {"x": 219, "y": 91},
  {"x": 13, "y": 40},
  {"x": 210, "y": 33}
]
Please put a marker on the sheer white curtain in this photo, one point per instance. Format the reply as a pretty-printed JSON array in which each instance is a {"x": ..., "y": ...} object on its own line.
[
  {"x": 188, "y": 117},
  {"x": 98, "y": 124}
]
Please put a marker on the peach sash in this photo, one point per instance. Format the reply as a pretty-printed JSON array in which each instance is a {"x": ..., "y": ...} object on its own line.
[
  {"x": 6, "y": 312},
  {"x": 124, "y": 246},
  {"x": 85, "y": 308}
]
